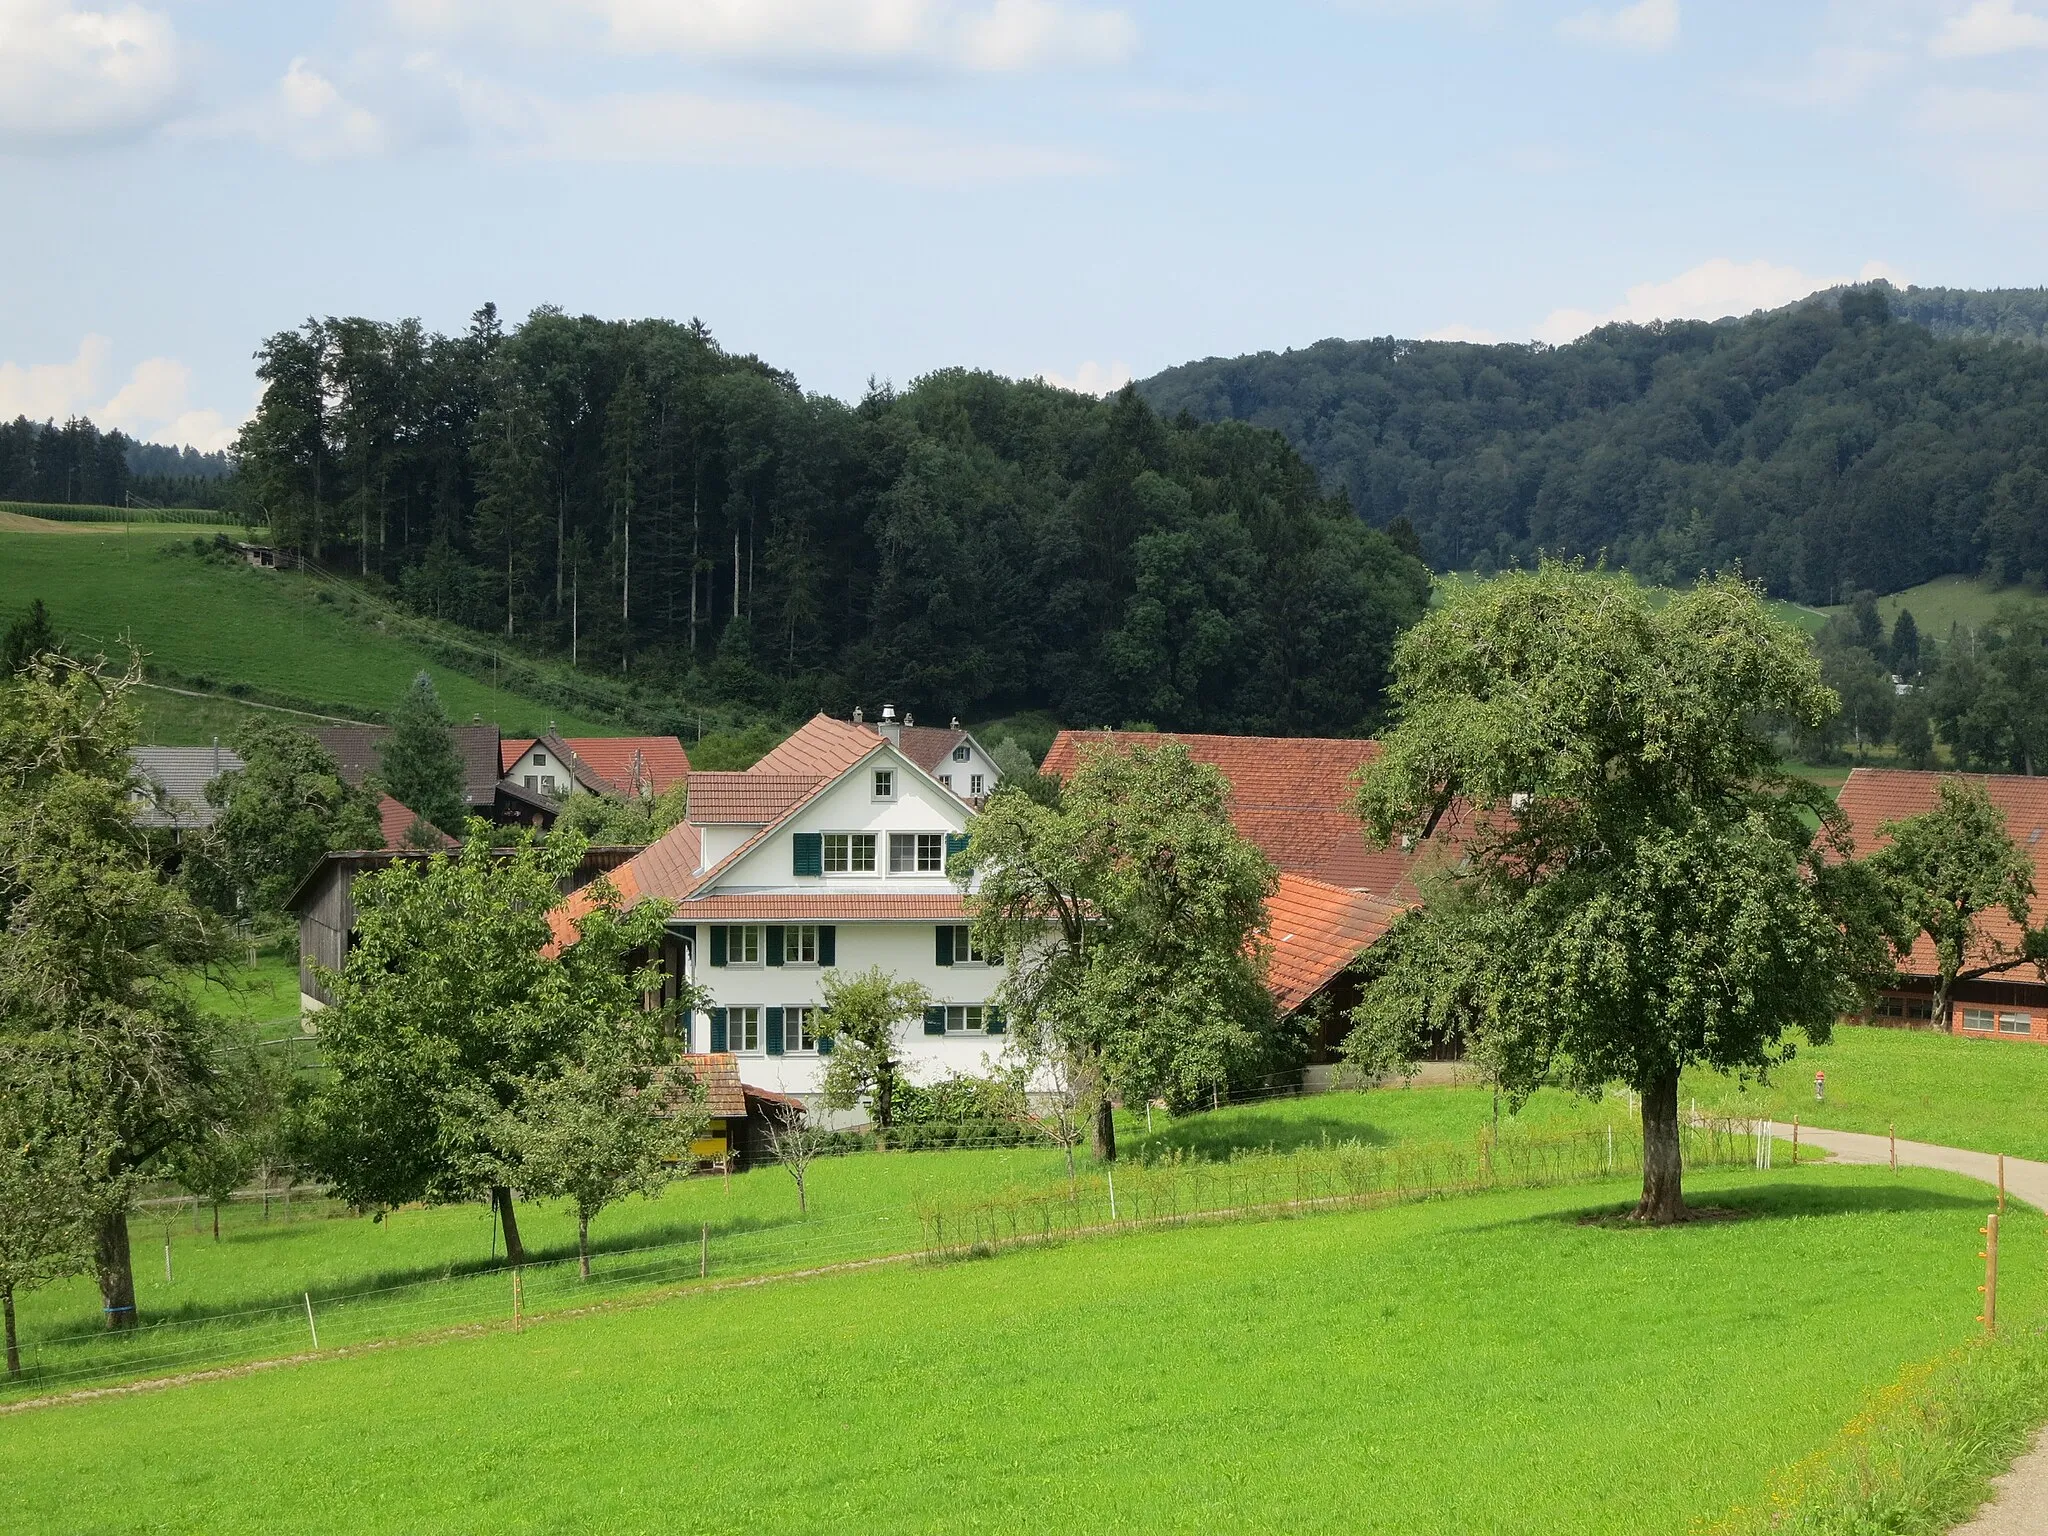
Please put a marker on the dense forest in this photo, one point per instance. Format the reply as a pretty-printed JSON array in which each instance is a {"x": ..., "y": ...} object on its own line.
[
  {"x": 78, "y": 464},
  {"x": 635, "y": 497},
  {"x": 1825, "y": 449}
]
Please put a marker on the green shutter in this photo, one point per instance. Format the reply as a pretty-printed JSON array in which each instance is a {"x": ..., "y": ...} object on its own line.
[
  {"x": 945, "y": 943},
  {"x": 994, "y": 1022},
  {"x": 718, "y": 945},
  {"x": 828, "y": 944},
  {"x": 807, "y": 853},
  {"x": 935, "y": 1020},
  {"x": 717, "y": 1028},
  {"x": 775, "y": 1030},
  {"x": 775, "y": 944},
  {"x": 824, "y": 1045},
  {"x": 956, "y": 842}
]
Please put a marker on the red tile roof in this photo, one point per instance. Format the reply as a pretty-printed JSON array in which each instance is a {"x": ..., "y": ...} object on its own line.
[
  {"x": 622, "y": 765},
  {"x": 747, "y": 799},
  {"x": 1314, "y": 931},
  {"x": 822, "y": 748},
  {"x": 719, "y": 1077},
  {"x": 939, "y": 907},
  {"x": 395, "y": 821},
  {"x": 1874, "y": 796}
]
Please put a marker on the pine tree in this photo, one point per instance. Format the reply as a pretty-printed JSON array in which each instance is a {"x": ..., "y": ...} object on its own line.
[{"x": 420, "y": 767}]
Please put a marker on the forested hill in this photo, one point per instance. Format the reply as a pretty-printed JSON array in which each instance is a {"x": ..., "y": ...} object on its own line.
[
  {"x": 1826, "y": 448},
  {"x": 631, "y": 494}
]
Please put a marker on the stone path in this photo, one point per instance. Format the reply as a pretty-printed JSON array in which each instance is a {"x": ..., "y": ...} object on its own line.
[{"x": 2019, "y": 1500}]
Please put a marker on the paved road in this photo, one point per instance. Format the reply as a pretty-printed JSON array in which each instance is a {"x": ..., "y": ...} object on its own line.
[{"x": 2019, "y": 1500}]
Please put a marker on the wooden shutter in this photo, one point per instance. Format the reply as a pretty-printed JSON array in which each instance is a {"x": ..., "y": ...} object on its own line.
[
  {"x": 828, "y": 944},
  {"x": 775, "y": 1030},
  {"x": 824, "y": 1045},
  {"x": 935, "y": 1020},
  {"x": 807, "y": 853},
  {"x": 994, "y": 1022},
  {"x": 956, "y": 842},
  {"x": 945, "y": 932},
  {"x": 774, "y": 937},
  {"x": 717, "y": 1028},
  {"x": 718, "y": 946}
]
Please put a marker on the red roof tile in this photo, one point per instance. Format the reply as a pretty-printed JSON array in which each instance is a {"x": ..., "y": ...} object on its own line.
[
  {"x": 1874, "y": 796},
  {"x": 719, "y": 1077},
  {"x": 622, "y": 765},
  {"x": 822, "y": 748},
  {"x": 395, "y": 821},
  {"x": 939, "y": 907},
  {"x": 752, "y": 798},
  {"x": 1314, "y": 931}
]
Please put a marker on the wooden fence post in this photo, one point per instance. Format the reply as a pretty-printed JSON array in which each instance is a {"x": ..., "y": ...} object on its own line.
[
  {"x": 704, "y": 1251},
  {"x": 518, "y": 1297},
  {"x": 1990, "y": 1285},
  {"x": 1892, "y": 1130}
]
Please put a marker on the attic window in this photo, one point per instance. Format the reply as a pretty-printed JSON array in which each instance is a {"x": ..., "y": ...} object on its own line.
[
  {"x": 540, "y": 759},
  {"x": 961, "y": 754},
  {"x": 885, "y": 783}
]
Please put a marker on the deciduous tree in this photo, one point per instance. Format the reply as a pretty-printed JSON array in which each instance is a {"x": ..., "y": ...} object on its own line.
[
  {"x": 278, "y": 815},
  {"x": 862, "y": 1014}
]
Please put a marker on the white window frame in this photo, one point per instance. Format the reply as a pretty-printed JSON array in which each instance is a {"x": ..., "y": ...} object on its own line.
[
  {"x": 917, "y": 853},
  {"x": 800, "y": 944},
  {"x": 964, "y": 952},
  {"x": 945, "y": 781},
  {"x": 540, "y": 759},
  {"x": 849, "y": 842},
  {"x": 533, "y": 782},
  {"x": 966, "y": 1018},
  {"x": 974, "y": 785},
  {"x": 739, "y": 1022},
  {"x": 962, "y": 753},
  {"x": 884, "y": 783},
  {"x": 2025, "y": 1021},
  {"x": 739, "y": 939},
  {"x": 1980, "y": 1021},
  {"x": 547, "y": 783},
  {"x": 800, "y": 1029}
]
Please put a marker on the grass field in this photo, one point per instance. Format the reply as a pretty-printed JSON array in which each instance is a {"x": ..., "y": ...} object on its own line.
[
  {"x": 233, "y": 625},
  {"x": 1949, "y": 601},
  {"x": 1989, "y": 1095},
  {"x": 1489, "y": 1363}
]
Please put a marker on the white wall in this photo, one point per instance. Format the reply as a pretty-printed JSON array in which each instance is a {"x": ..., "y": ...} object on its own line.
[
  {"x": 850, "y": 806},
  {"x": 907, "y": 950},
  {"x": 962, "y": 774},
  {"x": 564, "y": 781}
]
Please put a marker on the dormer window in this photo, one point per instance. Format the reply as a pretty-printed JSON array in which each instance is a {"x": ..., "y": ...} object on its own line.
[
  {"x": 961, "y": 754},
  {"x": 885, "y": 783}
]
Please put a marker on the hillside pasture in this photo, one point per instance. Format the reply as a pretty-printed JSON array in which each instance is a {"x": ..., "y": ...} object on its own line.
[{"x": 1491, "y": 1363}]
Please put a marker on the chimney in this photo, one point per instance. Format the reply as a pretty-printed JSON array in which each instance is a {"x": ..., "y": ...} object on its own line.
[
  {"x": 956, "y": 723},
  {"x": 890, "y": 726},
  {"x": 859, "y": 714},
  {"x": 908, "y": 718}
]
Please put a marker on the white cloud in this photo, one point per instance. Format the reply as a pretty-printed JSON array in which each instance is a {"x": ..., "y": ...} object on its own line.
[
  {"x": 1708, "y": 291},
  {"x": 1990, "y": 26},
  {"x": 1838, "y": 77},
  {"x": 312, "y": 118},
  {"x": 1091, "y": 378},
  {"x": 70, "y": 75},
  {"x": 972, "y": 35},
  {"x": 153, "y": 404},
  {"x": 1650, "y": 26}
]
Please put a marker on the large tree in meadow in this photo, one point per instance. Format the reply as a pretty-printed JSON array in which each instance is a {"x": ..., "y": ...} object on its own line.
[
  {"x": 1126, "y": 913},
  {"x": 1641, "y": 889}
]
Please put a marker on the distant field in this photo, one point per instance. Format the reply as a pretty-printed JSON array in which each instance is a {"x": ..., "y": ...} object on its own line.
[
  {"x": 1796, "y": 614},
  {"x": 230, "y": 625},
  {"x": 1948, "y": 601},
  {"x": 1488, "y": 1363},
  {"x": 191, "y": 517}
]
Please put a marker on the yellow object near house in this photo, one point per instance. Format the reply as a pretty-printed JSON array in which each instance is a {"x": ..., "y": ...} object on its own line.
[{"x": 711, "y": 1146}]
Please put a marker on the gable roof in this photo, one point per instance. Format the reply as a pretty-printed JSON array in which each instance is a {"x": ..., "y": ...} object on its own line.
[
  {"x": 931, "y": 746},
  {"x": 1314, "y": 931},
  {"x": 395, "y": 821},
  {"x": 1874, "y": 796},
  {"x": 177, "y": 777},
  {"x": 612, "y": 765},
  {"x": 821, "y": 748},
  {"x": 746, "y": 799},
  {"x": 719, "y": 1077},
  {"x": 358, "y": 749},
  {"x": 1290, "y": 797}
]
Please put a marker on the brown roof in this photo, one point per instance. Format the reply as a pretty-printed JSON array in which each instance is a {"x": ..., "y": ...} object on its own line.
[
  {"x": 1874, "y": 796},
  {"x": 930, "y": 746},
  {"x": 1314, "y": 931},
  {"x": 719, "y": 1077},
  {"x": 620, "y": 765},
  {"x": 822, "y": 748},
  {"x": 358, "y": 749},
  {"x": 747, "y": 799},
  {"x": 940, "y": 907}
]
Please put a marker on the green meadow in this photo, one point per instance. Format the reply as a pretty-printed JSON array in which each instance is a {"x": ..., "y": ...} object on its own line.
[{"x": 1496, "y": 1362}]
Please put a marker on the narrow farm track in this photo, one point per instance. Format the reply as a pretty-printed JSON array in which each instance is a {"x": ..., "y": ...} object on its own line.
[{"x": 2019, "y": 1502}]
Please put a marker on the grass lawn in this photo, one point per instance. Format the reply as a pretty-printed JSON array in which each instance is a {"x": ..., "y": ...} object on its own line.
[
  {"x": 1947, "y": 601},
  {"x": 1990, "y": 1095},
  {"x": 265, "y": 630},
  {"x": 1486, "y": 1363}
]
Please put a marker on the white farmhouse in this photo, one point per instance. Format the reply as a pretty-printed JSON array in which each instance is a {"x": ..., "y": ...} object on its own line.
[{"x": 830, "y": 851}]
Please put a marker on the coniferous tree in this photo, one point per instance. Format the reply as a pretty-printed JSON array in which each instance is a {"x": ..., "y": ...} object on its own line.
[{"x": 419, "y": 766}]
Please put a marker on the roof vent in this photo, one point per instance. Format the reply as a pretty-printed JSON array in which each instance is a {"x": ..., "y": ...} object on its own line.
[
  {"x": 859, "y": 714},
  {"x": 956, "y": 724},
  {"x": 908, "y": 718},
  {"x": 890, "y": 728},
  {"x": 888, "y": 712}
]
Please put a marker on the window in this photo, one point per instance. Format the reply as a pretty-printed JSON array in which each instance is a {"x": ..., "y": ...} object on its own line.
[
  {"x": 2015, "y": 1024},
  {"x": 961, "y": 754},
  {"x": 1977, "y": 1018},
  {"x": 743, "y": 945},
  {"x": 964, "y": 952},
  {"x": 540, "y": 759},
  {"x": 547, "y": 783},
  {"x": 945, "y": 781},
  {"x": 800, "y": 944},
  {"x": 966, "y": 1019},
  {"x": 885, "y": 783},
  {"x": 917, "y": 853},
  {"x": 744, "y": 1024},
  {"x": 533, "y": 781},
  {"x": 799, "y": 1029},
  {"x": 974, "y": 785},
  {"x": 849, "y": 853}
]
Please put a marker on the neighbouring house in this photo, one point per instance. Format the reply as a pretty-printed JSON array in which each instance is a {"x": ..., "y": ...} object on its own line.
[
  {"x": 324, "y": 902},
  {"x": 949, "y": 754},
  {"x": 627, "y": 767},
  {"x": 2012, "y": 1002},
  {"x": 172, "y": 792},
  {"x": 1314, "y": 936},
  {"x": 358, "y": 749},
  {"x": 830, "y": 851}
]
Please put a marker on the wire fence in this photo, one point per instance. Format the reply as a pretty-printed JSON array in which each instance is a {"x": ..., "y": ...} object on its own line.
[{"x": 1114, "y": 1199}]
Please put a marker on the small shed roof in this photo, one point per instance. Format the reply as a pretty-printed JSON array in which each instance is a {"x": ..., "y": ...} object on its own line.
[
  {"x": 177, "y": 778},
  {"x": 1315, "y": 931}
]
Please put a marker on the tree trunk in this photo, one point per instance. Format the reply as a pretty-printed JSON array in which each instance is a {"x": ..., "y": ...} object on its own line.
[
  {"x": 216, "y": 1221},
  {"x": 13, "y": 1343},
  {"x": 515, "y": 1253},
  {"x": 1944, "y": 992},
  {"x": 116, "y": 1271},
  {"x": 1102, "y": 1137},
  {"x": 885, "y": 1099},
  {"x": 1663, "y": 1189},
  {"x": 583, "y": 1243}
]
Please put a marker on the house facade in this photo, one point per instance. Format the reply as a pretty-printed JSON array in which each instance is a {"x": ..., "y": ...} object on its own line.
[{"x": 2010, "y": 1000}]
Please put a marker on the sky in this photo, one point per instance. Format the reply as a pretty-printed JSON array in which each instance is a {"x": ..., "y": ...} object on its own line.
[{"x": 1083, "y": 190}]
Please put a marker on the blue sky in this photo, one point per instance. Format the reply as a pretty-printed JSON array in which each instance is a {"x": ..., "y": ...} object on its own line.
[{"x": 1085, "y": 189}]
